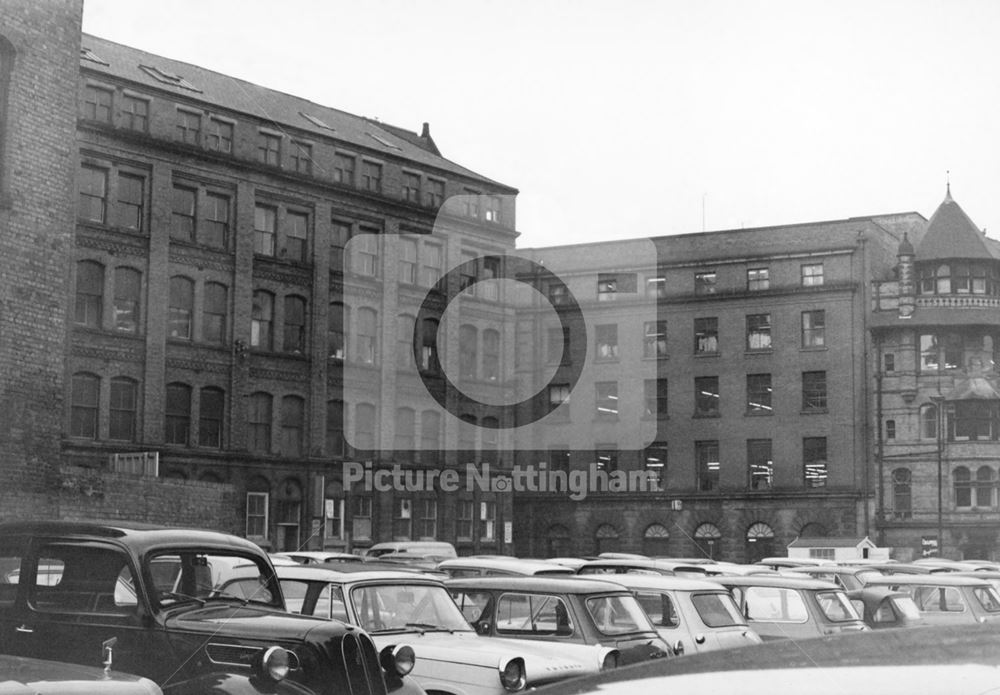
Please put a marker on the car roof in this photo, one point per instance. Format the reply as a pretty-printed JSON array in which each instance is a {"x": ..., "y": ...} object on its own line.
[
  {"x": 670, "y": 565},
  {"x": 570, "y": 585},
  {"x": 329, "y": 574},
  {"x": 511, "y": 564},
  {"x": 831, "y": 569},
  {"x": 943, "y": 579},
  {"x": 778, "y": 581},
  {"x": 663, "y": 581}
]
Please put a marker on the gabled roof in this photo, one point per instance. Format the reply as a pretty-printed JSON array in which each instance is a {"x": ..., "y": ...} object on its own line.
[
  {"x": 951, "y": 234},
  {"x": 831, "y": 542},
  {"x": 188, "y": 81}
]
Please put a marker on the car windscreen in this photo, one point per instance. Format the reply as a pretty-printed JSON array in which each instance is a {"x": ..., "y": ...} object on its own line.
[
  {"x": 717, "y": 609},
  {"x": 836, "y": 606},
  {"x": 618, "y": 615},
  {"x": 988, "y": 598},
  {"x": 406, "y": 607},
  {"x": 193, "y": 575}
]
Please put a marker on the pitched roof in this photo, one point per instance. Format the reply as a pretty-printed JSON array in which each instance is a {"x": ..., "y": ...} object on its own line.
[
  {"x": 200, "y": 84},
  {"x": 830, "y": 542},
  {"x": 951, "y": 234}
]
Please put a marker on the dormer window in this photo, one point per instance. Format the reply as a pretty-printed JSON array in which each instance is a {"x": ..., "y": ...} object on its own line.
[{"x": 168, "y": 78}]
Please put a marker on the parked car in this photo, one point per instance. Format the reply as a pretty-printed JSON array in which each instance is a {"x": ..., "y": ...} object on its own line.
[
  {"x": 439, "y": 549},
  {"x": 691, "y": 615},
  {"x": 881, "y": 607},
  {"x": 624, "y": 566},
  {"x": 564, "y": 611},
  {"x": 777, "y": 563},
  {"x": 781, "y": 607},
  {"x": 943, "y": 598},
  {"x": 848, "y": 578},
  {"x": 25, "y": 676},
  {"x": 316, "y": 557},
  {"x": 450, "y": 657},
  {"x": 943, "y": 660},
  {"x": 500, "y": 566},
  {"x": 150, "y": 601}
]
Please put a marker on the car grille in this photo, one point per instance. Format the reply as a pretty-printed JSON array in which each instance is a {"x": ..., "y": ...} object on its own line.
[{"x": 360, "y": 659}]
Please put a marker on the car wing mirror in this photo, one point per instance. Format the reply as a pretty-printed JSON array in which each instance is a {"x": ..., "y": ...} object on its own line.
[
  {"x": 678, "y": 648},
  {"x": 483, "y": 628}
]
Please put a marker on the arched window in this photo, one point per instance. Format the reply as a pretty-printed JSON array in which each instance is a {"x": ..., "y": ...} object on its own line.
[
  {"x": 259, "y": 421},
  {"x": 214, "y": 316},
  {"x": 124, "y": 399},
  {"x": 760, "y": 542},
  {"x": 181, "y": 308},
  {"x": 962, "y": 479},
  {"x": 902, "y": 494},
  {"x": 336, "y": 332},
  {"x": 85, "y": 403},
  {"x": 292, "y": 425},
  {"x": 128, "y": 284},
  {"x": 178, "y": 412},
  {"x": 335, "y": 442},
  {"x": 367, "y": 332},
  {"x": 985, "y": 484},
  {"x": 89, "y": 294},
  {"x": 706, "y": 538},
  {"x": 606, "y": 539},
  {"x": 928, "y": 422},
  {"x": 557, "y": 540},
  {"x": 262, "y": 320},
  {"x": 655, "y": 540},
  {"x": 211, "y": 411},
  {"x": 294, "y": 332},
  {"x": 468, "y": 339}
]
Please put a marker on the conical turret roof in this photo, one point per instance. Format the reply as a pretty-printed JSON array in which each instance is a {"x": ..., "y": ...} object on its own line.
[{"x": 951, "y": 234}]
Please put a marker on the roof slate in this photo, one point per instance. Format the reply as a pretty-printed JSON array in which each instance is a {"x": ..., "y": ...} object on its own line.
[
  {"x": 279, "y": 109},
  {"x": 951, "y": 234}
]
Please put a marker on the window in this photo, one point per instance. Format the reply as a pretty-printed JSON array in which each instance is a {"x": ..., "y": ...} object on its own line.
[
  {"x": 962, "y": 480},
  {"x": 427, "y": 519},
  {"x": 405, "y": 424},
  {"x": 706, "y": 454},
  {"x": 902, "y": 494},
  {"x": 889, "y": 362},
  {"x": 706, "y": 538},
  {"x": 655, "y": 339},
  {"x": 706, "y": 396},
  {"x": 89, "y": 294},
  {"x": 404, "y": 342},
  {"x": 294, "y": 330},
  {"x": 492, "y": 210},
  {"x": 97, "y": 104},
  {"x": 343, "y": 169},
  {"x": 491, "y": 440},
  {"x": 487, "y": 518},
  {"x": 814, "y": 461},
  {"x": 428, "y": 347},
  {"x": 559, "y": 459},
  {"x": 269, "y": 148},
  {"x": 758, "y": 279},
  {"x": 433, "y": 259},
  {"x": 371, "y": 176},
  {"x": 812, "y": 275},
  {"x": 470, "y": 200},
  {"x": 130, "y": 201},
  {"x": 178, "y": 413},
  {"x": 334, "y": 526},
  {"x": 212, "y": 405},
  {"x": 292, "y": 424},
  {"x": 213, "y": 328},
  {"x": 364, "y": 426},
  {"x": 188, "y": 127},
  {"x": 336, "y": 335},
  {"x": 607, "y": 341},
  {"x": 655, "y": 398},
  {"x": 336, "y": 444},
  {"x": 340, "y": 233},
  {"x": 181, "y": 308},
  {"x": 759, "y": 394},
  {"x": 435, "y": 193},
  {"x": 890, "y": 429},
  {"x": 759, "y": 332},
  {"x": 760, "y": 464},
  {"x": 557, "y": 345},
  {"x": 257, "y": 503},
  {"x": 84, "y": 406},
  {"x": 430, "y": 435},
  {"x": 361, "y": 517},
  {"x": 704, "y": 283},
  {"x": 491, "y": 355},
  {"x": 301, "y": 158},
  {"x": 557, "y": 293},
  {"x": 296, "y": 237},
  {"x": 972, "y": 420},
  {"x": 706, "y": 336},
  {"x": 264, "y": 224},
  {"x": 93, "y": 194},
  {"x": 219, "y": 137},
  {"x": 984, "y": 487},
  {"x": 135, "y": 113},
  {"x": 128, "y": 288},
  {"x": 559, "y": 398},
  {"x": 607, "y": 287},
  {"x": 367, "y": 336},
  {"x": 411, "y": 187},
  {"x": 183, "y": 218},
  {"x": 606, "y": 399},
  {"x": 402, "y": 518},
  {"x": 408, "y": 261},
  {"x": 654, "y": 461},
  {"x": 656, "y": 287},
  {"x": 813, "y": 328},
  {"x": 463, "y": 519},
  {"x": 468, "y": 339},
  {"x": 259, "y": 417},
  {"x": 489, "y": 271},
  {"x": 928, "y": 421},
  {"x": 262, "y": 320},
  {"x": 124, "y": 400},
  {"x": 814, "y": 391},
  {"x": 366, "y": 255},
  {"x": 215, "y": 226}
]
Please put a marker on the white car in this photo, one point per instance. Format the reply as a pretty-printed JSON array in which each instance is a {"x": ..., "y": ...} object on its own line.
[{"x": 451, "y": 658}]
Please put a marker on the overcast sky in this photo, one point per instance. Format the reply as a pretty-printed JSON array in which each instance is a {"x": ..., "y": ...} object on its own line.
[{"x": 637, "y": 117}]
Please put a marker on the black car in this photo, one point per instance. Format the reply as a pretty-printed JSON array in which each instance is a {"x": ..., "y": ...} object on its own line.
[
  {"x": 22, "y": 675},
  {"x": 147, "y": 600}
]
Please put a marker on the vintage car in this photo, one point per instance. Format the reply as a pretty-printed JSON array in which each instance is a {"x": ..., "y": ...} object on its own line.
[
  {"x": 779, "y": 607},
  {"x": 943, "y": 598},
  {"x": 848, "y": 578},
  {"x": 148, "y": 600},
  {"x": 21, "y": 675},
  {"x": 691, "y": 615},
  {"x": 944, "y": 660},
  {"x": 451, "y": 659},
  {"x": 881, "y": 607},
  {"x": 494, "y": 566},
  {"x": 626, "y": 566},
  {"x": 563, "y": 611}
]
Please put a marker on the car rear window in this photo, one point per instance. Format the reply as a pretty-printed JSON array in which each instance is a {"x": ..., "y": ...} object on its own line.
[
  {"x": 988, "y": 598},
  {"x": 717, "y": 609},
  {"x": 836, "y": 606},
  {"x": 935, "y": 599},
  {"x": 775, "y": 605},
  {"x": 618, "y": 615}
]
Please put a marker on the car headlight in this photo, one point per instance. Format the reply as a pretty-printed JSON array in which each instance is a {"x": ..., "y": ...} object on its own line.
[
  {"x": 275, "y": 663},
  {"x": 512, "y": 675},
  {"x": 397, "y": 658},
  {"x": 611, "y": 660}
]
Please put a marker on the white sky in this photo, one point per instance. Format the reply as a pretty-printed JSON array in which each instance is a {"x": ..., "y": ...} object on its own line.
[{"x": 631, "y": 118}]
